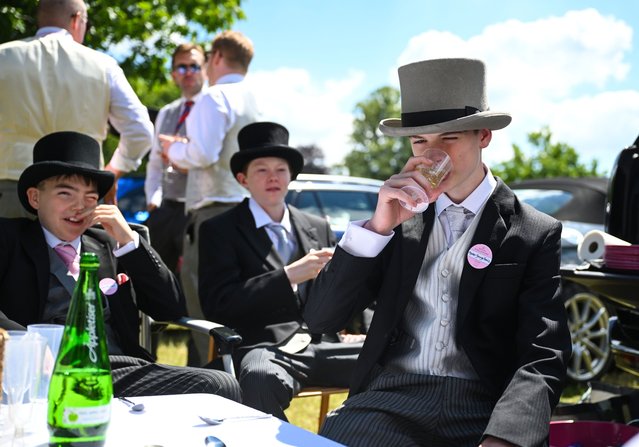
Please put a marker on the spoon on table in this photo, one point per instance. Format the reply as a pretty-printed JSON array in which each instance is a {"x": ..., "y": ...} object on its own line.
[
  {"x": 136, "y": 408},
  {"x": 214, "y": 421}
]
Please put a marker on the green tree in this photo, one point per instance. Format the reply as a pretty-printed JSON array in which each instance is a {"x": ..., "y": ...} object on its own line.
[
  {"x": 549, "y": 160},
  {"x": 146, "y": 28},
  {"x": 376, "y": 155}
]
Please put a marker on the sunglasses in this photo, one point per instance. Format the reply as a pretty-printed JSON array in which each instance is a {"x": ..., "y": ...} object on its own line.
[{"x": 183, "y": 68}]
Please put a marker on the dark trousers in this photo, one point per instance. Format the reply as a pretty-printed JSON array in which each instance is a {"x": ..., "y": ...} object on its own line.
[
  {"x": 166, "y": 227},
  {"x": 270, "y": 378},
  {"x": 403, "y": 409},
  {"x": 137, "y": 377}
]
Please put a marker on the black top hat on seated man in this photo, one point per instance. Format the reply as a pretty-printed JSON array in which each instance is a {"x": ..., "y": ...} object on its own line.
[
  {"x": 64, "y": 153},
  {"x": 265, "y": 139}
]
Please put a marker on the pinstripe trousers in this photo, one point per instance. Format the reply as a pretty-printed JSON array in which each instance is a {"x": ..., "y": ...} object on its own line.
[
  {"x": 404, "y": 409},
  {"x": 136, "y": 377}
]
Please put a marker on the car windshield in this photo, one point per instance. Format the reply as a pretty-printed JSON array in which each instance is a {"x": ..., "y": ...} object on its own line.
[
  {"x": 339, "y": 207},
  {"x": 548, "y": 201}
]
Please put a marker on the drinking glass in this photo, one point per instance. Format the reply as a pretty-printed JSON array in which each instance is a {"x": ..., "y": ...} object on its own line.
[
  {"x": 52, "y": 333},
  {"x": 434, "y": 173},
  {"x": 21, "y": 377}
]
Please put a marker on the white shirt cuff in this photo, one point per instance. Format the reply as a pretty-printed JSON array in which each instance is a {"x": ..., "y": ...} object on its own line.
[
  {"x": 128, "y": 247},
  {"x": 358, "y": 241}
]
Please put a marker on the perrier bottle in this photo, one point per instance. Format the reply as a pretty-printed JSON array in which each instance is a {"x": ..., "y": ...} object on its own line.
[{"x": 81, "y": 388}]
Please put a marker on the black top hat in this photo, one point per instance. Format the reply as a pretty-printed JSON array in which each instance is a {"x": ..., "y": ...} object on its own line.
[
  {"x": 64, "y": 153},
  {"x": 265, "y": 139}
]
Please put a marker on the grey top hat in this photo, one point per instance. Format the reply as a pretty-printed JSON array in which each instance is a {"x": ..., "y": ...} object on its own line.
[{"x": 443, "y": 95}]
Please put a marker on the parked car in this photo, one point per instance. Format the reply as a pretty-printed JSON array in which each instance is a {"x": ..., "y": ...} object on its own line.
[
  {"x": 580, "y": 205},
  {"x": 131, "y": 199},
  {"x": 339, "y": 198}
]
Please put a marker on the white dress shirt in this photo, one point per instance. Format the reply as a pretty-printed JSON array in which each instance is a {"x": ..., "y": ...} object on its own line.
[{"x": 358, "y": 241}]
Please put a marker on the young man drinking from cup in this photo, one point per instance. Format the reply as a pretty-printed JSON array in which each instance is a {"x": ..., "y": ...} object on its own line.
[{"x": 469, "y": 341}]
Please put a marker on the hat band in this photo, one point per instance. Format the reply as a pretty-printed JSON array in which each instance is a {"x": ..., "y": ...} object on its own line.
[{"x": 416, "y": 119}]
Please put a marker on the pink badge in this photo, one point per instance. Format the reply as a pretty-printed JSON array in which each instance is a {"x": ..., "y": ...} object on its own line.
[
  {"x": 108, "y": 286},
  {"x": 480, "y": 256}
]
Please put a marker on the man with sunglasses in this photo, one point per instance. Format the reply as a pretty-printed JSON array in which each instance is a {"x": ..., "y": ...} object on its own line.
[
  {"x": 211, "y": 139},
  {"x": 51, "y": 82},
  {"x": 165, "y": 184}
]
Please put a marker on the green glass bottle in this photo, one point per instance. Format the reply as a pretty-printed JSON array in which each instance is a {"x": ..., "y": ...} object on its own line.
[{"x": 81, "y": 389}]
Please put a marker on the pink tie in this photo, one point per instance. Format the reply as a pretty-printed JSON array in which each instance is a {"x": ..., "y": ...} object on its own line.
[{"x": 69, "y": 257}]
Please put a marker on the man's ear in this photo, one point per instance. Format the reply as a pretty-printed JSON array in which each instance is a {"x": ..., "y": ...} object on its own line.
[
  {"x": 33, "y": 195},
  {"x": 241, "y": 178}
]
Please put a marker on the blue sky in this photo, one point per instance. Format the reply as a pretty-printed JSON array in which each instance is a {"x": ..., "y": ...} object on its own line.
[{"x": 571, "y": 65}]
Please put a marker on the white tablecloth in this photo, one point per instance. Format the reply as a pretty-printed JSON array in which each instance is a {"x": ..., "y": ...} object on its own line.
[{"x": 172, "y": 421}]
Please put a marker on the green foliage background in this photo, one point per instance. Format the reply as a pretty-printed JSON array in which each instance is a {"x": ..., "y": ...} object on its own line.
[{"x": 146, "y": 33}]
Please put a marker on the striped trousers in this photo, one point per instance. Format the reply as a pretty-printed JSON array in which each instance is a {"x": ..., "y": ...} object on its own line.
[
  {"x": 137, "y": 377},
  {"x": 403, "y": 409}
]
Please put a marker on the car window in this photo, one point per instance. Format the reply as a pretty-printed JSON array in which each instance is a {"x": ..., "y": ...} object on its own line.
[
  {"x": 339, "y": 207},
  {"x": 549, "y": 201}
]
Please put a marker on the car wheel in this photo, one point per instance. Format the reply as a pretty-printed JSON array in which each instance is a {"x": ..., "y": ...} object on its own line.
[{"x": 588, "y": 323}]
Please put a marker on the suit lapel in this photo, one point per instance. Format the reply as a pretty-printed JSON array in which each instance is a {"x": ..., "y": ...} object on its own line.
[
  {"x": 306, "y": 233},
  {"x": 258, "y": 240},
  {"x": 36, "y": 248},
  {"x": 491, "y": 230}
]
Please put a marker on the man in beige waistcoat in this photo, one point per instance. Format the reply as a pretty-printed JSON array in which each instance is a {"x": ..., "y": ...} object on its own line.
[{"x": 51, "y": 82}]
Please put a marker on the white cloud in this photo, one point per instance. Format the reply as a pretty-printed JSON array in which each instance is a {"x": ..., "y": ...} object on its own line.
[
  {"x": 561, "y": 71},
  {"x": 313, "y": 112},
  {"x": 540, "y": 72}
]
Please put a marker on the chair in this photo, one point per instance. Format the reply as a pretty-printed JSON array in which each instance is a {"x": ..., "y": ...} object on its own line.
[
  {"x": 325, "y": 394},
  {"x": 223, "y": 339}
]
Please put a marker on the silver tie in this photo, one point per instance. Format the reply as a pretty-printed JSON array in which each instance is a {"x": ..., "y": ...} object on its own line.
[
  {"x": 459, "y": 219},
  {"x": 283, "y": 244}
]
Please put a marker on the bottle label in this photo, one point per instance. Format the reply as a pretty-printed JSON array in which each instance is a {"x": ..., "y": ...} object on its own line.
[
  {"x": 74, "y": 416},
  {"x": 91, "y": 326}
]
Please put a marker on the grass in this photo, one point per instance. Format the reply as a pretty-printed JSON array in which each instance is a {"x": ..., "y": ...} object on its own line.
[{"x": 304, "y": 412}]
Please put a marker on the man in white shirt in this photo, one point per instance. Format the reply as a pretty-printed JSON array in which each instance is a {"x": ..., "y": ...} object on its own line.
[
  {"x": 165, "y": 184},
  {"x": 52, "y": 82},
  {"x": 212, "y": 127}
]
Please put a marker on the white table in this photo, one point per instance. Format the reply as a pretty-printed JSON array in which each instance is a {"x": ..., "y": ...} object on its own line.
[{"x": 172, "y": 421}]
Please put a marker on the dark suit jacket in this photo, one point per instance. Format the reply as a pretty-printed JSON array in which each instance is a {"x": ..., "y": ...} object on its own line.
[
  {"x": 24, "y": 281},
  {"x": 242, "y": 283},
  {"x": 510, "y": 320}
]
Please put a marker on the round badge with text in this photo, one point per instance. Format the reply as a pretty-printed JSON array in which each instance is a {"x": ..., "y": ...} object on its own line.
[
  {"x": 108, "y": 286},
  {"x": 480, "y": 256}
]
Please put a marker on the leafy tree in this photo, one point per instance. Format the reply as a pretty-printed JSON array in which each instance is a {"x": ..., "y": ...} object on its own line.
[
  {"x": 146, "y": 28},
  {"x": 550, "y": 160},
  {"x": 376, "y": 155},
  {"x": 313, "y": 159}
]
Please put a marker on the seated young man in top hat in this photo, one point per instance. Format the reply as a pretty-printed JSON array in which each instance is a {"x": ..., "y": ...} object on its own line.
[
  {"x": 469, "y": 342},
  {"x": 256, "y": 261},
  {"x": 63, "y": 187}
]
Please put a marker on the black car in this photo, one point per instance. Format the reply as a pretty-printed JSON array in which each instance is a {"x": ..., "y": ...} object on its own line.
[
  {"x": 620, "y": 287},
  {"x": 580, "y": 205}
]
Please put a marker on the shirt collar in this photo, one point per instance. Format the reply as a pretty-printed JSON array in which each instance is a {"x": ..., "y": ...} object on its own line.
[
  {"x": 194, "y": 98},
  {"x": 475, "y": 201},
  {"x": 230, "y": 78},
  {"x": 53, "y": 241},
  {"x": 262, "y": 218},
  {"x": 60, "y": 32}
]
